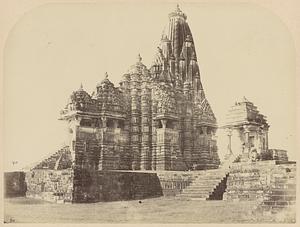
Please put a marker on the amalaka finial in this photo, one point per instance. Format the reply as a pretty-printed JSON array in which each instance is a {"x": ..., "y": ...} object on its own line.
[
  {"x": 81, "y": 86},
  {"x": 139, "y": 58},
  {"x": 106, "y": 75},
  {"x": 177, "y": 12}
]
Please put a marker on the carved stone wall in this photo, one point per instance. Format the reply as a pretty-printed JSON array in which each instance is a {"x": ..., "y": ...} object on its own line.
[
  {"x": 268, "y": 182},
  {"x": 50, "y": 185}
]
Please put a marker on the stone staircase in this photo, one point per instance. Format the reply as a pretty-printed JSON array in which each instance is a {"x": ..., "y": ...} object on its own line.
[
  {"x": 208, "y": 184},
  {"x": 59, "y": 160}
]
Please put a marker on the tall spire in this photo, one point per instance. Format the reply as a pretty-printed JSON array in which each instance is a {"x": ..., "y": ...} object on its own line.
[
  {"x": 178, "y": 31},
  {"x": 177, "y": 53}
]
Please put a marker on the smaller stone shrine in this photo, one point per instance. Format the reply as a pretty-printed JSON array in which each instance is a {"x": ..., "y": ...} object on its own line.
[{"x": 247, "y": 131}]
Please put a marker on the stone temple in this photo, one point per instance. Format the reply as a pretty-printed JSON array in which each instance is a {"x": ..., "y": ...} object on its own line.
[
  {"x": 154, "y": 135},
  {"x": 157, "y": 119}
]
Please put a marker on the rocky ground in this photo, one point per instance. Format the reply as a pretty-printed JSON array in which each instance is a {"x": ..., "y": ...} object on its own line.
[{"x": 156, "y": 210}]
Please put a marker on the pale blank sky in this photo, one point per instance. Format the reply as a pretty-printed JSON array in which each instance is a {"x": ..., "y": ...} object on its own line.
[{"x": 242, "y": 49}]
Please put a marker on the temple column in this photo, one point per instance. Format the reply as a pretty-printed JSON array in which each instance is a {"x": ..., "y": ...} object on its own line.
[
  {"x": 154, "y": 144},
  {"x": 259, "y": 141},
  {"x": 74, "y": 126},
  {"x": 215, "y": 156},
  {"x": 205, "y": 152},
  {"x": 187, "y": 142},
  {"x": 246, "y": 136},
  {"x": 229, "y": 134},
  {"x": 103, "y": 145},
  {"x": 164, "y": 155},
  {"x": 194, "y": 141},
  {"x": 145, "y": 112},
  {"x": 154, "y": 126},
  {"x": 135, "y": 122},
  {"x": 267, "y": 140}
]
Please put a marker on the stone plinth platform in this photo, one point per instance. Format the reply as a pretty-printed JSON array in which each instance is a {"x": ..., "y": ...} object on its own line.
[
  {"x": 271, "y": 183},
  {"x": 84, "y": 186}
]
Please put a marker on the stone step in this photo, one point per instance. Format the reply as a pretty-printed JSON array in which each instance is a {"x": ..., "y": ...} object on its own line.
[
  {"x": 198, "y": 198},
  {"x": 212, "y": 171},
  {"x": 278, "y": 203},
  {"x": 194, "y": 195},
  {"x": 207, "y": 192},
  {"x": 191, "y": 191},
  {"x": 212, "y": 183},
  {"x": 277, "y": 191},
  {"x": 208, "y": 178},
  {"x": 202, "y": 192},
  {"x": 199, "y": 188},
  {"x": 280, "y": 197},
  {"x": 190, "y": 198},
  {"x": 202, "y": 187},
  {"x": 276, "y": 207}
]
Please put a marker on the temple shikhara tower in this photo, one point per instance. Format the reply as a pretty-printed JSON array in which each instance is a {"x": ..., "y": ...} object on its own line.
[{"x": 158, "y": 118}]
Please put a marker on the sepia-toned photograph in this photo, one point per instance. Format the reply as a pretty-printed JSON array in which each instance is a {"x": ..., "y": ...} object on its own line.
[{"x": 162, "y": 112}]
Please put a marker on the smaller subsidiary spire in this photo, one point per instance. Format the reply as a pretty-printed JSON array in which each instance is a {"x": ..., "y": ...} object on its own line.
[
  {"x": 172, "y": 57},
  {"x": 164, "y": 38},
  {"x": 188, "y": 38},
  {"x": 193, "y": 56},
  {"x": 181, "y": 57},
  {"x": 104, "y": 81}
]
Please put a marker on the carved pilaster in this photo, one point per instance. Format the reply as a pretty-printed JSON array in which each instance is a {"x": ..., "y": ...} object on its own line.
[
  {"x": 146, "y": 127},
  {"x": 229, "y": 134}
]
